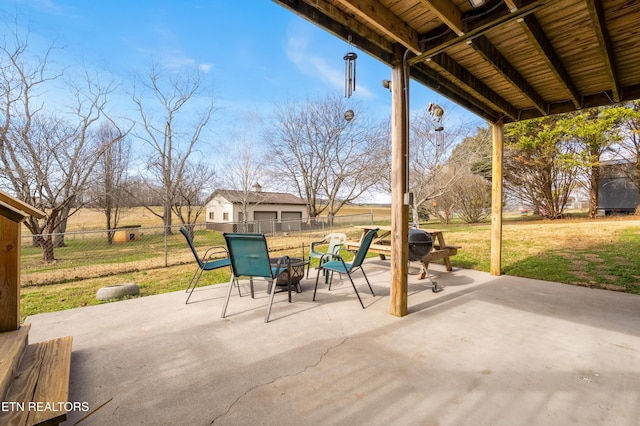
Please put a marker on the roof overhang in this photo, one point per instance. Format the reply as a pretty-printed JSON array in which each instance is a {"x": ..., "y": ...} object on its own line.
[{"x": 505, "y": 60}]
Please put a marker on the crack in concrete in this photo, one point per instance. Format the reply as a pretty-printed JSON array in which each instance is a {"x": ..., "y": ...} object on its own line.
[{"x": 275, "y": 379}]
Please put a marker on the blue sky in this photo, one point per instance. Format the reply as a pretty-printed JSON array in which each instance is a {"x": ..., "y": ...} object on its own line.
[{"x": 254, "y": 53}]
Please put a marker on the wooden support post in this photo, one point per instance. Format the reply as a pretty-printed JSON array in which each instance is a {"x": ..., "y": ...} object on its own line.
[
  {"x": 9, "y": 274},
  {"x": 12, "y": 213},
  {"x": 399, "y": 211},
  {"x": 496, "y": 199}
]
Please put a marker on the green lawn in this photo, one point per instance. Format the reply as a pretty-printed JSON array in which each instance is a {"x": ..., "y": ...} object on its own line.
[{"x": 601, "y": 253}]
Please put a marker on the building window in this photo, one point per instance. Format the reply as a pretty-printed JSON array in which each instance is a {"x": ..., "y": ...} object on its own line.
[
  {"x": 211, "y": 215},
  {"x": 225, "y": 216}
]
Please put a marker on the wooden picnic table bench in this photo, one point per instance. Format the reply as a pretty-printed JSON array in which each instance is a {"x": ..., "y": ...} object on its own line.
[{"x": 382, "y": 246}]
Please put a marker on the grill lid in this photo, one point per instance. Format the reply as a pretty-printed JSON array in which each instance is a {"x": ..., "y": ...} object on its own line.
[{"x": 420, "y": 244}]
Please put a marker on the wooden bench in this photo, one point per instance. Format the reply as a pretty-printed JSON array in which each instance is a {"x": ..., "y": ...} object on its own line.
[
  {"x": 34, "y": 379},
  {"x": 382, "y": 246},
  {"x": 384, "y": 250}
]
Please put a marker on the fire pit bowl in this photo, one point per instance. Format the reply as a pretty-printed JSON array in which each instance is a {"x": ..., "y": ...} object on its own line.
[{"x": 297, "y": 270}]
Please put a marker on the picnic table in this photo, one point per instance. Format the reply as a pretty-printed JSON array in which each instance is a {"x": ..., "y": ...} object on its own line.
[{"x": 382, "y": 246}]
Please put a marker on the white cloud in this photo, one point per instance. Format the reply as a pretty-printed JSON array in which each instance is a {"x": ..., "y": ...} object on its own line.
[
  {"x": 300, "y": 51},
  {"x": 205, "y": 68}
]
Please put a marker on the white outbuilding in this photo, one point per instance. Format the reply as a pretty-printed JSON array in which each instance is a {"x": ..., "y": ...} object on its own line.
[{"x": 255, "y": 211}]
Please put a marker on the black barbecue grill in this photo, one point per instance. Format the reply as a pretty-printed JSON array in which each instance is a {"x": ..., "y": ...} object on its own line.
[{"x": 420, "y": 245}]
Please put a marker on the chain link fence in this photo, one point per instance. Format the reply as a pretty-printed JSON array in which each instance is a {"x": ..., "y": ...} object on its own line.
[{"x": 90, "y": 254}]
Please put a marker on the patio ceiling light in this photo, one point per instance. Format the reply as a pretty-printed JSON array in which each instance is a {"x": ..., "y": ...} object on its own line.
[{"x": 476, "y": 3}]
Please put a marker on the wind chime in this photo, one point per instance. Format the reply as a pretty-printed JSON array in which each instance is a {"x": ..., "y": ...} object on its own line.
[
  {"x": 437, "y": 112},
  {"x": 349, "y": 72}
]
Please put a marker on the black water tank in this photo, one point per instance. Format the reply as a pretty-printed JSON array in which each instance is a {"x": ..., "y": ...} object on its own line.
[{"x": 420, "y": 244}]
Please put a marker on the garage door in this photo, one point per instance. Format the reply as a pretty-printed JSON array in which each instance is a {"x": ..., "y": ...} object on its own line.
[
  {"x": 291, "y": 221},
  {"x": 265, "y": 222}
]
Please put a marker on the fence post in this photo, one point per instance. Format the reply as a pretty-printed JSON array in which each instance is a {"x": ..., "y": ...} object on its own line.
[{"x": 166, "y": 247}]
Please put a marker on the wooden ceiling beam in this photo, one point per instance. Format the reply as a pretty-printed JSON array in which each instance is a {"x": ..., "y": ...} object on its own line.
[
  {"x": 511, "y": 4},
  {"x": 445, "y": 63},
  {"x": 475, "y": 29},
  {"x": 629, "y": 93},
  {"x": 385, "y": 21},
  {"x": 448, "y": 13},
  {"x": 606, "y": 51},
  {"x": 536, "y": 35},
  {"x": 341, "y": 25},
  {"x": 490, "y": 54},
  {"x": 430, "y": 78}
]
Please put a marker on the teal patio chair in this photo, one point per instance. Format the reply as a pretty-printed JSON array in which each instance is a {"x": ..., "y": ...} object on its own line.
[
  {"x": 334, "y": 240},
  {"x": 210, "y": 261},
  {"x": 249, "y": 257},
  {"x": 337, "y": 264}
]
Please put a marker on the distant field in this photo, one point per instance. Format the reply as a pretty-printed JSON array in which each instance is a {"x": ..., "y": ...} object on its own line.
[{"x": 91, "y": 219}]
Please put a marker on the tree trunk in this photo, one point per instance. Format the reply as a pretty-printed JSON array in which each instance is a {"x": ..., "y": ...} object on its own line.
[
  {"x": 168, "y": 217},
  {"x": 46, "y": 243},
  {"x": 61, "y": 227}
]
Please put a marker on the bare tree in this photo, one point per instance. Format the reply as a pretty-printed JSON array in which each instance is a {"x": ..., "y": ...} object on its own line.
[
  {"x": 174, "y": 136},
  {"x": 472, "y": 198},
  {"x": 329, "y": 160},
  {"x": 471, "y": 193},
  {"x": 193, "y": 191},
  {"x": 47, "y": 159},
  {"x": 109, "y": 187},
  {"x": 243, "y": 169},
  {"x": 433, "y": 170},
  {"x": 86, "y": 145}
]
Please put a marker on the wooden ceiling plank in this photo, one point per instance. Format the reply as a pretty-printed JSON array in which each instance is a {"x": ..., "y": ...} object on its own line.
[
  {"x": 430, "y": 78},
  {"x": 602, "y": 38},
  {"x": 600, "y": 27},
  {"x": 536, "y": 35},
  {"x": 448, "y": 13},
  {"x": 479, "y": 28},
  {"x": 464, "y": 77},
  {"x": 332, "y": 20},
  {"x": 489, "y": 52},
  {"x": 385, "y": 21}
]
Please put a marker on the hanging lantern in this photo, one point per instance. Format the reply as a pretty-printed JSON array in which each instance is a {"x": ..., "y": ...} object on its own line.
[{"x": 349, "y": 73}]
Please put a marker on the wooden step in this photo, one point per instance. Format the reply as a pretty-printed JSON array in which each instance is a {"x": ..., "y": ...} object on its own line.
[
  {"x": 40, "y": 388},
  {"x": 12, "y": 345}
]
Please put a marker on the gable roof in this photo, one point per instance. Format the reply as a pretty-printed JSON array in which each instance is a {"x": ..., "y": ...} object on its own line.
[
  {"x": 253, "y": 197},
  {"x": 505, "y": 60}
]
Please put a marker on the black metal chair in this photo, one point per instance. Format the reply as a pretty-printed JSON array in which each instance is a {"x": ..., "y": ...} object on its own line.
[
  {"x": 337, "y": 264},
  {"x": 249, "y": 256},
  {"x": 210, "y": 261}
]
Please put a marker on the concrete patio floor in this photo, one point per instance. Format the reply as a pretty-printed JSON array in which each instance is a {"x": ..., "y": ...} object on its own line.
[{"x": 485, "y": 351}]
